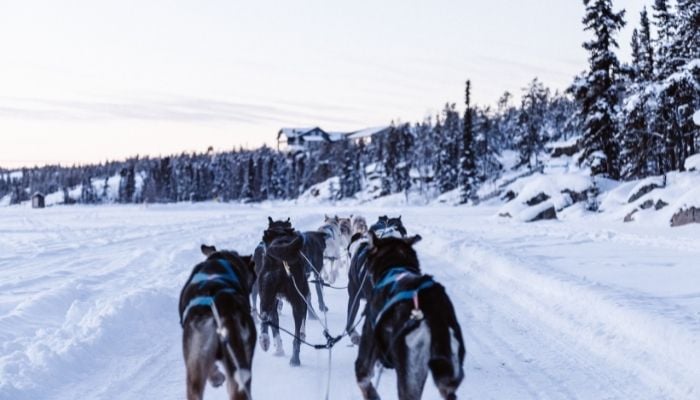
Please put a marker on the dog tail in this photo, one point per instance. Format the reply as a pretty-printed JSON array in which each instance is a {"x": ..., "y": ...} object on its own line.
[{"x": 447, "y": 347}]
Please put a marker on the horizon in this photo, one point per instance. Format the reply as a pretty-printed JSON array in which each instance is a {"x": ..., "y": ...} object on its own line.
[{"x": 93, "y": 81}]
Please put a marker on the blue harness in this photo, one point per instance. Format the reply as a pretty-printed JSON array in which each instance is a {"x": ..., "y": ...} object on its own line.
[
  {"x": 228, "y": 278},
  {"x": 392, "y": 279}
]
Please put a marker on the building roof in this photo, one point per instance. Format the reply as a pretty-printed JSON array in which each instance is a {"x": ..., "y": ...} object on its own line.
[{"x": 316, "y": 134}]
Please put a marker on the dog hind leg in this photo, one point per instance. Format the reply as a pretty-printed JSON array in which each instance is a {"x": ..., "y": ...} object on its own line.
[
  {"x": 412, "y": 368},
  {"x": 200, "y": 345}
]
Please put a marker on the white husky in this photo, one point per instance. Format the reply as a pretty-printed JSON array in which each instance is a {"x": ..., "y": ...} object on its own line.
[{"x": 334, "y": 248}]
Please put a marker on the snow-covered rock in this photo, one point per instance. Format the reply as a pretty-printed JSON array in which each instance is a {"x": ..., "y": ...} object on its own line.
[
  {"x": 692, "y": 163},
  {"x": 537, "y": 193},
  {"x": 686, "y": 216}
]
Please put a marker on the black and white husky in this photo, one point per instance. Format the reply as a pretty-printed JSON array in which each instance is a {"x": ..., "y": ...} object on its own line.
[
  {"x": 410, "y": 324},
  {"x": 274, "y": 230},
  {"x": 217, "y": 324},
  {"x": 285, "y": 274},
  {"x": 359, "y": 285}
]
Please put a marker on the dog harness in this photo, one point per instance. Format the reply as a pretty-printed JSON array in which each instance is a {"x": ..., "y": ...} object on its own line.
[
  {"x": 391, "y": 280},
  {"x": 229, "y": 278}
]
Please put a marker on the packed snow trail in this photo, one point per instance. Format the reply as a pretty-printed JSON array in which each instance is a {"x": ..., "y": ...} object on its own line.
[{"x": 577, "y": 310}]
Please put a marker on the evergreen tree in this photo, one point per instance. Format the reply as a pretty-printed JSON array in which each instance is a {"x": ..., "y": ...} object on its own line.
[
  {"x": 533, "y": 120},
  {"x": 646, "y": 50},
  {"x": 87, "y": 191},
  {"x": 127, "y": 184},
  {"x": 467, "y": 171},
  {"x": 665, "y": 29},
  {"x": 598, "y": 95},
  {"x": 636, "y": 55}
]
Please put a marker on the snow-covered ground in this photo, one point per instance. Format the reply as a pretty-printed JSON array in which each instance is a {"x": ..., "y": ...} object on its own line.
[{"x": 587, "y": 308}]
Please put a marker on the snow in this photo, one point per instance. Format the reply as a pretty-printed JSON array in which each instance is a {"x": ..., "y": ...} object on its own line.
[
  {"x": 692, "y": 163},
  {"x": 585, "y": 308},
  {"x": 696, "y": 117}
]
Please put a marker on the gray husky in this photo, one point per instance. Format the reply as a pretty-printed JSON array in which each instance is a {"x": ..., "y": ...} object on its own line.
[{"x": 217, "y": 324}]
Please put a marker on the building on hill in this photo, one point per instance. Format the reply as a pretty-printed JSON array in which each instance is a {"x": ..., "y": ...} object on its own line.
[
  {"x": 300, "y": 139},
  {"x": 38, "y": 200}
]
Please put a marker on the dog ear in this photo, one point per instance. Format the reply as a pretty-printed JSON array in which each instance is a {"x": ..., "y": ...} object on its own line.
[
  {"x": 269, "y": 221},
  {"x": 208, "y": 250},
  {"x": 248, "y": 260},
  {"x": 399, "y": 218},
  {"x": 413, "y": 239},
  {"x": 372, "y": 241},
  {"x": 289, "y": 219},
  {"x": 350, "y": 217}
]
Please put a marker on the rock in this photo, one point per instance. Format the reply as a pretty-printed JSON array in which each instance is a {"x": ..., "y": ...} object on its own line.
[
  {"x": 685, "y": 217},
  {"x": 505, "y": 215},
  {"x": 630, "y": 217},
  {"x": 647, "y": 204},
  {"x": 510, "y": 195},
  {"x": 642, "y": 191},
  {"x": 564, "y": 150},
  {"x": 541, "y": 197},
  {"x": 576, "y": 196},
  {"x": 660, "y": 204},
  {"x": 547, "y": 213}
]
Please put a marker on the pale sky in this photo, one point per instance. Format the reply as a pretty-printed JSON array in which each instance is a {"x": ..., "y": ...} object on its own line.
[{"x": 88, "y": 80}]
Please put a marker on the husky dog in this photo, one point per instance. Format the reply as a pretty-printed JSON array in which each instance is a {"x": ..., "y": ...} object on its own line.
[
  {"x": 274, "y": 230},
  {"x": 359, "y": 286},
  {"x": 359, "y": 225},
  {"x": 345, "y": 226},
  {"x": 284, "y": 273},
  {"x": 410, "y": 324},
  {"x": 334, "y": 247},
  {"x": 221, "y": 284}
]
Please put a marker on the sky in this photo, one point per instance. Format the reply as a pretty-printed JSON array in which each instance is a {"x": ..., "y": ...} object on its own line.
[{"x": 89, "y": 80}]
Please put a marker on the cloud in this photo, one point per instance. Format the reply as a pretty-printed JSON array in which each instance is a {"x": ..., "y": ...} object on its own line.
[{"x": 171, "y": 108}]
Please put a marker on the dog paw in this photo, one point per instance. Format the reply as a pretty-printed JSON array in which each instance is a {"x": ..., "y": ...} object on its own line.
[
  {"x": 323, "y": 308},
  {"x": 294, "y": 362},
  {"x": 264, "y": 342},
  {"x": 279, "y": 352},
  {"x": 355, "y": 338},
  {"x": 216, "y": 378}
]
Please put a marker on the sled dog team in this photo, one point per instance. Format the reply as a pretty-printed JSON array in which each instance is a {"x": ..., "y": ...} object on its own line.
[{"x": 409, "y": 322}]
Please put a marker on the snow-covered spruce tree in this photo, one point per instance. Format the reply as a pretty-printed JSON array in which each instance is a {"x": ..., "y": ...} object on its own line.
[
  {"x": 390, "y": 161},
  {"x": 506, "y": 122},
  {"x": 424, "y": 154},
  {"x": 404, "y": 147},
  {"x": 87, "y": 191},
  {"x": 645, "y": 61},
  {"x": 676, "y": 93},
  {"x": 486, "y": 148},
  {"x": 636, "y": 54},
  {"x": 448, "y": 134},
  {"x": 350, "y": 178},
  {"x": 640, "y": 145},
  {"x": 127, "y": 184},
  {"x": 665, "y": 30},
  {"x": 598, "y": 94},
  {"x": 533, "y": 119},
  {"x": 467, "y": 161}
]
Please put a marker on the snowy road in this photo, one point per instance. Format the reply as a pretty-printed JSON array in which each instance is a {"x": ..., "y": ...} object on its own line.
[{"x": 585, "y": 309}]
